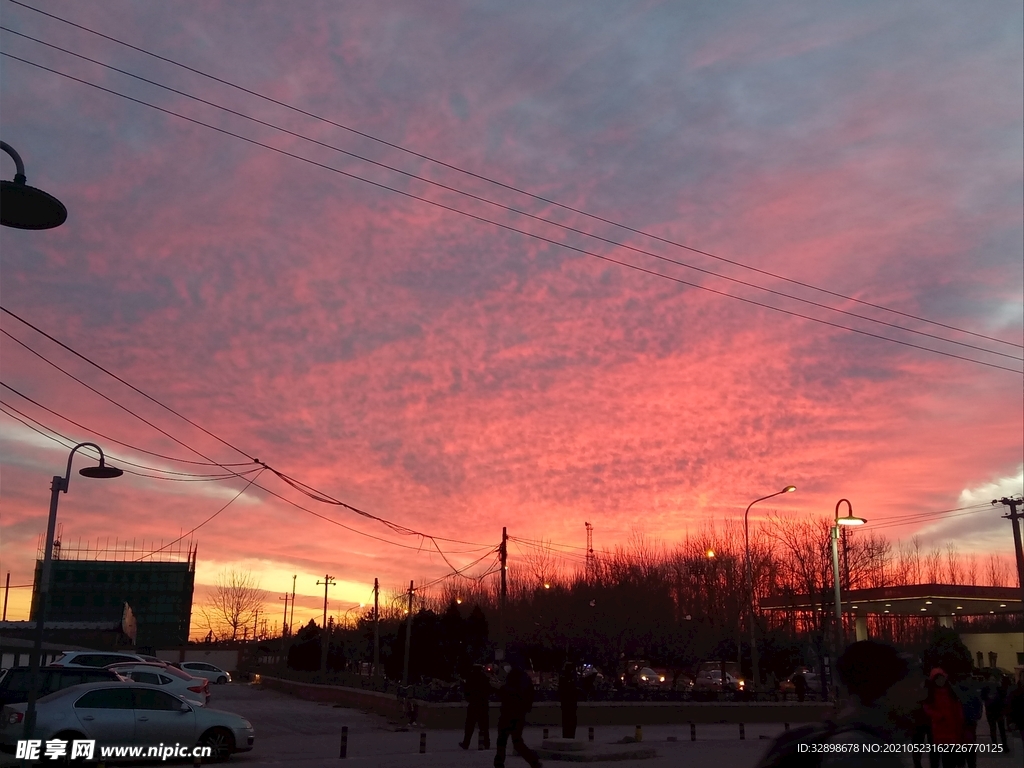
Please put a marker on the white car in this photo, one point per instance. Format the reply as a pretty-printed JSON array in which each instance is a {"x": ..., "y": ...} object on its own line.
[
  {"x": 94, "y": 658},
  {"x": 203, "y": 669},
  {"x": 171, "y": 679},
  {"x": 127, "y": 714}
]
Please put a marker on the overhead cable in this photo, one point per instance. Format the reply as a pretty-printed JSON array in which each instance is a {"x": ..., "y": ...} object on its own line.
[
  {"x": 511, "y": 228},
  {"x": 515, "y": 210},
  {"x": 503, "y": 185}
]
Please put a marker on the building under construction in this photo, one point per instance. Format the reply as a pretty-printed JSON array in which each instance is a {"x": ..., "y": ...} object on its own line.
[{"x": 92, "y": 583}]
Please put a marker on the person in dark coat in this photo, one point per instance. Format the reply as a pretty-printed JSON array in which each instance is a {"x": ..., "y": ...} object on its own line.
[
  {"x": 516, "y": 700},
  {"x": 995, "y": 711},
  {"x": 568, "y": 697},
  {"x": 477, "y": 689},
  {"x": 800, "y": 686}
]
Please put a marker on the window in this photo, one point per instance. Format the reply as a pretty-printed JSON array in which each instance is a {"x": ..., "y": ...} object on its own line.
[
  {"x": 145, "y": 677},
  {"x": 107, "y": 698},
  {"x": 146, "y": 698}
]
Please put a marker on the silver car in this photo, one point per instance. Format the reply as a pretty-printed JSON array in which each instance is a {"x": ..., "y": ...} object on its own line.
[
  {"x": 171, "y": 679},
  {"x": 116, "y": 714}
]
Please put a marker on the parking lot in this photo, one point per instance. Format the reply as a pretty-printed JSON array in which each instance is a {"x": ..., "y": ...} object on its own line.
[{"x": 306, "y": 734}]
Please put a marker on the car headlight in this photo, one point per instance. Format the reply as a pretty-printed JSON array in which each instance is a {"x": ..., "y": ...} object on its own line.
[{"x": 247, "y": 725}]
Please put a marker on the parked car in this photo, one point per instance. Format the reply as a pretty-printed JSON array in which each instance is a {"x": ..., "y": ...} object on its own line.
[
  {"x": 125, "y": 714},
  {"x": 15, "y": 683},
  {"x": 169, "y": 678},
  {"x": 787, "y": 688},
  {"x": 94, "y": 658},
  {"x": 203, "y": 669},
  {"x": 648, "y": 678},
  {"x": 711, "y": 680}
]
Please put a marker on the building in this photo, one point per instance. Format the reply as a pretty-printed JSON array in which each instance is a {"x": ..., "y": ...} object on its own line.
[{"x": 93, "y": 584}]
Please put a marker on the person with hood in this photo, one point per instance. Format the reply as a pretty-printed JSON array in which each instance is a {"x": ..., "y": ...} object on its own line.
[
  {"x": 516, "y": 700},
  {"x": 568, "y": 698},
  {"x": 477, "y": 690},
  {"x": 946, "y": 716}
]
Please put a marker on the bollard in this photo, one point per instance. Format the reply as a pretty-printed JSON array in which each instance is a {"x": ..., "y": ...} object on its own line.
[
  {"x": 344, "y": 741},
  {"x": 639, "y": 734},
  {"x": 423, "y": 743},
  {"x": 786, "y": 726},
  {"x": 693, "y": 731},
  {"x": 545, "y": 733},
  {"x": 743, "y": 733},
  {"x": 590, "y": 733}
]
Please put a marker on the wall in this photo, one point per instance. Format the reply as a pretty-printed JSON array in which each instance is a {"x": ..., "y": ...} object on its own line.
[
  {"x": 1006, "y": 644},
  {"x": 453, "y": 716}
]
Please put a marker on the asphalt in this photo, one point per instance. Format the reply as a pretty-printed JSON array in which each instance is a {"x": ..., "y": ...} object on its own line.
[{"x": 304, "y": 734}]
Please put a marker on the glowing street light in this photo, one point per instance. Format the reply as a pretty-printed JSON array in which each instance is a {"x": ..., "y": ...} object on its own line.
[
  {"x": 59, "y": 485},
  {"x": 850, "y": 519},
  {"x": 750, "y": 581},
  {"x": 25, "y": 207}
]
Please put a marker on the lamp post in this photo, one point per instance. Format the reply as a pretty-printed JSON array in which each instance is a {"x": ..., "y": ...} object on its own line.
[
  {"x": 25, "y": 207},
  {"x": 59, "y": 484},
  {"x": 848, "y": 520},
  {"x": 750, "y": 584}
]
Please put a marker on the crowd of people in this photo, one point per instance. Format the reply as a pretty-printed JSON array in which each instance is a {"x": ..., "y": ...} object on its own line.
[{"x": 890, "y": 698}]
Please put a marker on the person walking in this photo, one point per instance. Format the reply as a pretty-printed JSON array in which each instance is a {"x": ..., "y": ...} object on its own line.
[
  {"x": 995, "y": 711},
  {"x": 516, "y": 700},
  {"x": 946, "y": 717},
  {"x": 477, "y": 689},
  {"x": 568, "y": 698},
  {"x": 800, "y": 685}
]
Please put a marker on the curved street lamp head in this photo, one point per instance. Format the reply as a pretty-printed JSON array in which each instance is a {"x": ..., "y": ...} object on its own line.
[
  {"x": 102, "y": 472},
  {"x": 849, "y": 519},
  {"x": 25, "y": 207},
  {"x": 789, "y": 489}
]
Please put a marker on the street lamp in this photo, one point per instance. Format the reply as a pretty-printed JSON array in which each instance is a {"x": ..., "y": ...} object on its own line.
[
  {"x": 848, "y": 520},
  {"x": 59, "y": 484},
  {"x": 750, "y": 583},
  {"x": 25, "y": 207}
]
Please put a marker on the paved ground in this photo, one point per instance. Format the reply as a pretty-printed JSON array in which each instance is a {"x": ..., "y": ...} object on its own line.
[{"x": 293, "y": 732}]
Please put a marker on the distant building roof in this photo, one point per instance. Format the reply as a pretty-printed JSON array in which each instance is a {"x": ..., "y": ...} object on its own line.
[{"x": 910, "y": 600}]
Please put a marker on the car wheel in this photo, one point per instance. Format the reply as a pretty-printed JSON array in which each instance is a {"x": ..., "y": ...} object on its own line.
[
  {"x": 69, "y": 737},
  {"x": 221, "y": 743},
  {"x": 221, "y": 680}
]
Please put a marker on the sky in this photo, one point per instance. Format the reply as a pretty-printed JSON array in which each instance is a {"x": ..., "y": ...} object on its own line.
[{"x": 671, "y": 217}]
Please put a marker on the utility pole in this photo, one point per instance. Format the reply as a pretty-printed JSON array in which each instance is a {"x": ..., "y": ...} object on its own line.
[
  {"x": 291, "y": 619},
  {"x": 503, "y": 552},
  {"x": 284, "y": 622},
  {"x": 327, "y": 582},
  {"x": 7, "y": 589},
  {"x": 255, "y": 624},
  {"x": 591, "y": 569},
  {"x": 408, "y": 639},
  {"x": 1015, "y": 517},
  {"x": 376, "y": 628}
]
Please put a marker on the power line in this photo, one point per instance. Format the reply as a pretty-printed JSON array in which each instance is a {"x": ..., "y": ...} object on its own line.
[
  {"x": 298, "y": 485},
  {"x": 211, "y": 517},
  {"x": 107, "y": 398},
  {"x": 490, "y": 180},
  {"x": 513, "y": 209},
  {"x": 112, "y": 439},
  {"x": 67, "y": 442},
  {"x": 511, "y": 228}
]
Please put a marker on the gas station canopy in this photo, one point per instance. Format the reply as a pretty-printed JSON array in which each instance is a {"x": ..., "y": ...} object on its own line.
[{"x": 911, "y": 600}]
